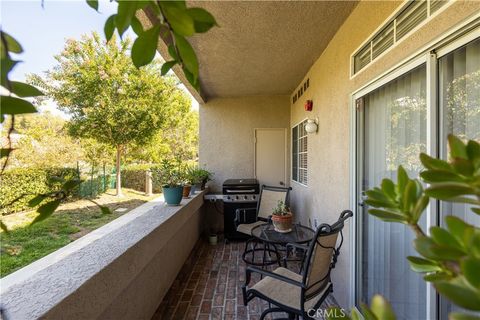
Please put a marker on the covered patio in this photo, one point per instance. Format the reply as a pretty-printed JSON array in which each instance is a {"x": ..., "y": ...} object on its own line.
[{"x": 274, "y": 67}]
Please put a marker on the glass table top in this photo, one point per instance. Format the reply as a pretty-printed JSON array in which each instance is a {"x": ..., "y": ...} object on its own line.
[{"x": 299, "y": 234}]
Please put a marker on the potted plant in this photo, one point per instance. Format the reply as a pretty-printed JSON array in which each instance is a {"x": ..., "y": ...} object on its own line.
[
  {"x": 187, "y": 179},
  {"x": 171, "y": 178},
  {"x": 282, "y": 218},
  {"x": 199, "y": 177}
]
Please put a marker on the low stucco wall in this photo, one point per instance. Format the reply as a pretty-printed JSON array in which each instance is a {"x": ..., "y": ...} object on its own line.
[
  {"x": 119, "y": 271},
  {"x": 328, "y": 191},
  {"x": 227, "y": 133}
]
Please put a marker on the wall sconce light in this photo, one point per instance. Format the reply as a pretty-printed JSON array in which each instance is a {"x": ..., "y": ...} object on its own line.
[{"x": 311, "y": 126}]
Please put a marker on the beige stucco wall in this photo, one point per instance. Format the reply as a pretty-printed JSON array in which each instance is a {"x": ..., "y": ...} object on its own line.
[
  {"x": 330, "y": 86},
  {"x": 227, "y": 133}
]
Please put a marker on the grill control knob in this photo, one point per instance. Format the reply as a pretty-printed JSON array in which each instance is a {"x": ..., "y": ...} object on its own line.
[
  {"x": 236, "y": 197},
  {"x": 254, "y": 197},
  {"x": 228, "y": 197},
  {"x": 245, "y": 197}
]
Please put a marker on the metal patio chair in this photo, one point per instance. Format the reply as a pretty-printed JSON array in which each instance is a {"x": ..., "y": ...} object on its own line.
[
  {"x": 301, "y": 294},
  {"x": 248, "y": 218}
]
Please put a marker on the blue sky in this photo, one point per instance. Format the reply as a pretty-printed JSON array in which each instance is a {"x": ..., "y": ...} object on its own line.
[{"x": 42, "y": 31}]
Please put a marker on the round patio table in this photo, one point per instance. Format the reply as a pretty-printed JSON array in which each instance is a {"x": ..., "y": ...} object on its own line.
[{"x": 266, "y": 235}]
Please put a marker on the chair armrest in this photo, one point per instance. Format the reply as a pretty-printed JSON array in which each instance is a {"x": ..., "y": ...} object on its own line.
[
  {"x": 266, "y": 273},
  {"x": 243, "y": 216}
]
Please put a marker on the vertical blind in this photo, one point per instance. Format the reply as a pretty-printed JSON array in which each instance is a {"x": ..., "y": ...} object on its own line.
[
  {"x": 394, "y": 134},
  {"x": 460, "y": 104}
]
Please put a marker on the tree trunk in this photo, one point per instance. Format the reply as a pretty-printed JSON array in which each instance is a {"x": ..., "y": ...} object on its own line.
[{"x": 119, "y": 178}]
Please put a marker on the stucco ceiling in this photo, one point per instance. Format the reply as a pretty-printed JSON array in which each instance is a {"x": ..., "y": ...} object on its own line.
[{"x": 263, "y": 47}]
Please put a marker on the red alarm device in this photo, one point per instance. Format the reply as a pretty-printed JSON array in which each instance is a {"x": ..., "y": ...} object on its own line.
[{"x": 308, "y": 105}]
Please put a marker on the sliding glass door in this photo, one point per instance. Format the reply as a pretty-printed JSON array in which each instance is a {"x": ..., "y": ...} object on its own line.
[
  {"x": 394, "y": 128},
  {"x": 459, "y": 99},
  {"x": 391, "y": 130}
]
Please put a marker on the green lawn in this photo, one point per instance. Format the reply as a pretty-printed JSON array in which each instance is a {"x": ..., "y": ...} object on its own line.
[{"x": 25, "y": 244}]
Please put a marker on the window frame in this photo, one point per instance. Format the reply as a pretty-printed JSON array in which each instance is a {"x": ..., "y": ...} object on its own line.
[{"x": 297, "y": 153}]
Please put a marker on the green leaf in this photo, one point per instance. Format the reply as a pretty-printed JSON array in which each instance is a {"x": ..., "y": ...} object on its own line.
[
  {"x": 409, "y": 196},
  {"x": 4, "y": 152},
  {"x": 463, "y": 166},
  {"x": 13, "y": 45},
  {"x": 46, "y": 210},
  {"x": 388, "y": 216},
  {"x": 471, "y": 270},
  {"x": 12, "y": 105},
  {"x": 367, "y": 313},
  {"x": 448, "y": 190},
  {"x": 167, "y": 66},
  {"x": 438, "y": 276},
  {"x": 443, "y": 237},
  {"x": 431, "y": 176},
  {"x": 434, "y": 163},
  {"x": 423, "y": 265},
  {"x": 462, "y": 316},
  {"x": 172, "y": 52},
  {"x": 203, "y": 20},
  {"x": 70, "y": 184},
  {"x": 145, "y": 47},
  {"x": 178, "y": 18},
  {"x": 457, "y": 147},
  {"x": 459, "y": 229},
  {"x": 24, "y": 90},
  {"x": 388, "y": 188},
  {"x": 402, "y": 179},
  {"x": 36, "y": 200},
  {"x": 137, "y": 26},
  {"x": 189, "y": 58},
  {"x": 109, "y": 27},
  {"x": 126, "y": 10},
  {"x": 420, "y": 206},
  {"x": 93, "y": 4},
  {"x": 4, "y": 227},
  {"x": 381, "y": 308},
  {"x": 6, "y": 66},
  {"x": 473, "y": 150},
  {"x": 459, "y": 294},
  {"x": 191, "y": 79},
  {"x": 424, "y": 246}
]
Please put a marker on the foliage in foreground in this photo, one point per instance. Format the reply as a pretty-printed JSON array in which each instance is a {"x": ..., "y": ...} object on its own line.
[{"x": 449, "y": 257}]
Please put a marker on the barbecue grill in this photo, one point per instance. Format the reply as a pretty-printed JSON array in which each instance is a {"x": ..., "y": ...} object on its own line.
[{"x": 238, "y": 194}]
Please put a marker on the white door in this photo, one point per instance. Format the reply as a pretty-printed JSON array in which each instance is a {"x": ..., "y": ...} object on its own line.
[{"x": 271, "y": 156}]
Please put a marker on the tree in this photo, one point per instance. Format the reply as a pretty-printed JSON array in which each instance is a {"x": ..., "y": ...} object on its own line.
[
  {"x": 41, "y": 140},
  {"x": 107, "y": 97}
]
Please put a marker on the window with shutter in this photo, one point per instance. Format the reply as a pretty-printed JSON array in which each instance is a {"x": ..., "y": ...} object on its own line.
[{"x": 300, "y": 153}]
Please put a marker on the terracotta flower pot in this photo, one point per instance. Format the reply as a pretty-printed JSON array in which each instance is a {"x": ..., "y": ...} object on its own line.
[
  {"x": 186, "y": 190},
  {"x": 284, "y": 223}
]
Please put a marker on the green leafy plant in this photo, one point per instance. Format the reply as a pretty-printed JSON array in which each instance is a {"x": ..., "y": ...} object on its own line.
[
  {"x": 197, "y": 175},
  {"x": 173, "y": 21},
  {"x": 449, "y": 256},
  {"x": 170, "y": 173},
  {"x": 281, "y": 209}
]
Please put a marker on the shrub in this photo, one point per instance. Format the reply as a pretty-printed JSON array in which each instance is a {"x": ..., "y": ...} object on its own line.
[
  {"x": 134, "y": 178},
  {"x": 29, "y": 182}
]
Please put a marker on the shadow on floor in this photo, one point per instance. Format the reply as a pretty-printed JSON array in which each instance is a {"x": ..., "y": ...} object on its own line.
[{"x": 209, "y": 287}]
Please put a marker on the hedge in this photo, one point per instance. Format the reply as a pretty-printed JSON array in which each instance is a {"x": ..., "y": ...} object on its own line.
[
  {"x": 29, "y": 182},
  {"x": 133, "y": 177}
]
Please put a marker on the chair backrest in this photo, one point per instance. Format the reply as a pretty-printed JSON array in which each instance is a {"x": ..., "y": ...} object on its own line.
[
  {"x": 322, "y": 255},
  {"x": 269, "y": 197}
]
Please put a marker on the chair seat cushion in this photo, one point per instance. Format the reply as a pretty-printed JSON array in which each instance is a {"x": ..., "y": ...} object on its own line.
[
  {"x": 285, "y": 293},
  {"x": 247, "y": 228}
]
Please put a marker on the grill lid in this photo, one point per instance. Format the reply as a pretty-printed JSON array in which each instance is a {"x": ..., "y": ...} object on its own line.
[{"x": 239, "y": 182}]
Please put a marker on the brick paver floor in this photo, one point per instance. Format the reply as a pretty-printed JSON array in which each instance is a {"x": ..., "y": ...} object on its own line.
[{"x": 209, "y": 287}]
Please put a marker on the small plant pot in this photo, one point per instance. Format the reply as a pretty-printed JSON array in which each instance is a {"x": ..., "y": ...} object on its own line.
[
  {"x": 186, "y": 190},
  {"x": 173, "y": 195},
  {"x": 283, "y": 224},
  {"x": 213, "y": 239}
]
